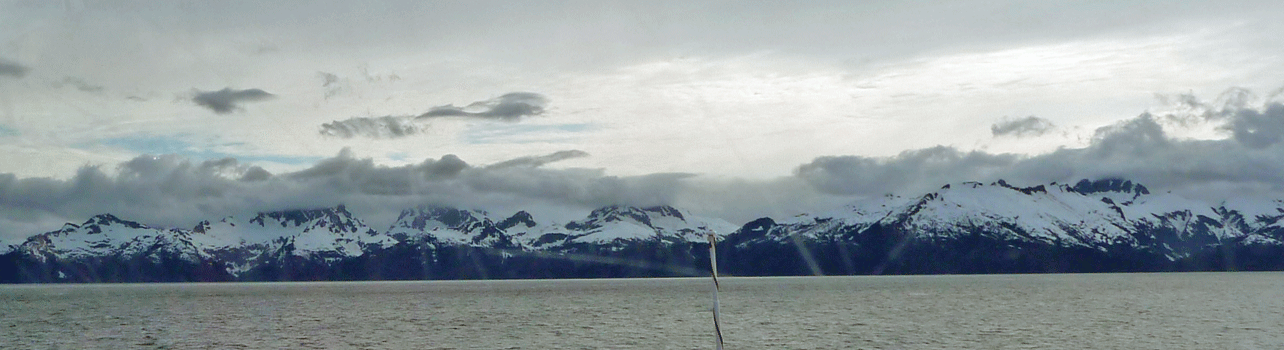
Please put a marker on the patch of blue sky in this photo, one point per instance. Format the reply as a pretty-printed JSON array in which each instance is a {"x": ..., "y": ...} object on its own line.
[
  {"x": 399, "y": 156},
  {"x": 6, "y": 131},
  {"x": 158, "y": 145},
  {"x": 490, "y": 133}
]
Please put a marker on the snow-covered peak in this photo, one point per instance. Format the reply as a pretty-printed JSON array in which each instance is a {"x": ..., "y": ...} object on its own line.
[
  {"x": 330, "y": 232},
  {"x": 102, "y": 220},
  {"x": 1167, "y": 203},
  {"x": 606, "y": 215},
  {"x": 1044, "y": 213},
  {"x": 447, "y": 225},
  {"x": 427, "y": 216},
  {"x": 867, "y": 209},
  {"x": 1117, "y": 190},
  {"x": 1255, "y": 207},
  {"x": 336, "y": 219},
  {"x": 107, "y": 235},
  {"x": 637, "y": 215},
  {"x": 520, "y": 220},
  {"x": 624, "y": 223}
]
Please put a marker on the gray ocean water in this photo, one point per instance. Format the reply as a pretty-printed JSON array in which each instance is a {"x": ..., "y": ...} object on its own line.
[{"x": 1097, "y": 311}]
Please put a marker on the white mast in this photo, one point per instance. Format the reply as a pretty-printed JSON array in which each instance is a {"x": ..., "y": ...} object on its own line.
[{"x": 713, "y": 265}]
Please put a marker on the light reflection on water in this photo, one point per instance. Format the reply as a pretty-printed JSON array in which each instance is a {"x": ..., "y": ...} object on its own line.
[{"x": 1101, "y": 311}]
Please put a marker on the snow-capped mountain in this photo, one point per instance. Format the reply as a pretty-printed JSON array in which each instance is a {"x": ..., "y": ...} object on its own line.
[
  {"x": 329, "y": 234},
  {"x": 1100, "y": 215},
  {"x": 619, "y": 224},
  {"x": 271, "y": 241},
  {"x": 603, "y": 226},
  {"x": 1104, "y": 225},
  {"x": 449, "y": 226},
  {"x": 106, "y": 235}
]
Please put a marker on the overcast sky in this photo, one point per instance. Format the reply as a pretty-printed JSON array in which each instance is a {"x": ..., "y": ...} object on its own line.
[{"x": 171, "y": 112}]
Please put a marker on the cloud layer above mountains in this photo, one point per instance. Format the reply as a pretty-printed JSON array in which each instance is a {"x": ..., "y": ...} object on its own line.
[
  {"x": 174, "y": 191},
  {"x": 177, "y": 192},
  {"x": 1250, "y": 160},
  {"x": 713, "y": 109}
]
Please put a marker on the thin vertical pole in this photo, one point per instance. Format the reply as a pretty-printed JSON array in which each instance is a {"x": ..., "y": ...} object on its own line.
[{"x": 713, "y": 265}]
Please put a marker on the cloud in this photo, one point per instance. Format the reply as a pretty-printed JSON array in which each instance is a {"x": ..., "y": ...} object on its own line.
[
  {"x": 911, "y": 170},
  {"x": 79, "y": 84},
  {"x": 1251, "y": 120},
  {"x": 478, "y": 134},
  {"x": 228, "y": 100},
  {"x": 1249, "y": 161},
  {"x": 1257, "y": 128},
  {"x": 177, "y": 192},
  {"x": 537, "y": 161},
  {"x": 181, "y": 145},
  {"x": 510, "y": 107},
  {"x": 1135, "y": 137},
  {"x": 331, "y": 83},
  {"x": 364, "y": 68},
  {"x": 387, "y": 127},
  {"x": 328, "y": 79},
  {"x": 1028, "y": 126},
  {"x": 1138, "y": 149},
  {"x": 11, "y": 69}
]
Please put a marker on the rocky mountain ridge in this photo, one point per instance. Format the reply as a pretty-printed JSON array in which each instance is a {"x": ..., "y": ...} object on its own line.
[
  {"x": 332, "y": 235},
  {"x": 1104, "y": 225}
]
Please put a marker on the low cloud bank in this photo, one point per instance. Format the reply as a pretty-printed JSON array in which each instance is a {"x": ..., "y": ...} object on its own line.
[
  {"x": 174, "y": 191},
  {"x": 1249, "y": 161}
]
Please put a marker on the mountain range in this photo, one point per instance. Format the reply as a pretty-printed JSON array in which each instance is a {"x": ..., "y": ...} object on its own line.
[{"x": 1109, "y": 225}]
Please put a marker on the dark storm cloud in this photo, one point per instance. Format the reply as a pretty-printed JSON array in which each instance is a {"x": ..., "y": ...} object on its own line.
[
  {"x": 1028, "y": 126},
  {"x": 12, "y": 69},
  {"x": 228, "y": 100},
  {"x": 510, "y": 107},
  {"x": 174, "y": 191},
  {"x": 387, "y": 127}
]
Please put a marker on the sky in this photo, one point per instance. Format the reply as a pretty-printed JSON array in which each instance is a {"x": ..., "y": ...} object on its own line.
[{"x": 174, "y": 112}]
